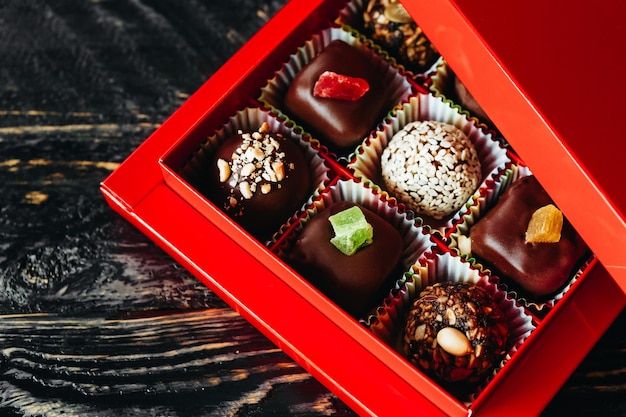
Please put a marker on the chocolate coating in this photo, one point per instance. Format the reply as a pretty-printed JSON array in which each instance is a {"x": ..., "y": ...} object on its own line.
[
  {"x": 339, "y": 124},
  {"x": 498, "y": 241},
  {"x": 353, "y": 282},
  {"x": 467, "y": 308},
  {"x": 272, "y": 199}
]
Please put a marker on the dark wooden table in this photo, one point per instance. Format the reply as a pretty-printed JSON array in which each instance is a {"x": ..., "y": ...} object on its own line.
[{"x": 95, "y": 320}]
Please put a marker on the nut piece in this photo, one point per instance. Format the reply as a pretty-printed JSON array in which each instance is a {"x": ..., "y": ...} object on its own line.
[
  {"x": 279, "y": 170},
  {"x": 224, "y": 169},
  {"x": 247, "y": 170},
  {"x": 545, "y": 225},
  {"x": 454, "y": 341},
  {"x": 396, "y": 13},
  {"x": 245, "y": 190}
]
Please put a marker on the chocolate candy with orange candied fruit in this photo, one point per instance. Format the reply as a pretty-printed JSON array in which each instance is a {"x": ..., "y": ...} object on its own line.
[{"x": 536, "y": 263}]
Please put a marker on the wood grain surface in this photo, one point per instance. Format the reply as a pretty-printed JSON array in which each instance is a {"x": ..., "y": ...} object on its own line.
[{"x": 95, "y": 320}]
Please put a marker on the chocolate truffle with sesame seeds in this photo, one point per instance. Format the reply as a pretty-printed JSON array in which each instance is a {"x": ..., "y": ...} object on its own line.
[
  {"x": 259, "y": 179},
  {"x": 432, "y": 167}
]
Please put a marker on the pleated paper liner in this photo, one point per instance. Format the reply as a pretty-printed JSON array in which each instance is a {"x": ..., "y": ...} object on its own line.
[
  {"x": 250, "y": 119},
  {"x": 352, "y": 16},
  {"x": 487, "y": 200},
  {"x": 440, "y": 266},
  {"x": 273, "y": 93},
  {"x": 365, "y": 162},
  {"x": 441, "y": 83},
  {"x": 415, "y": 239}
]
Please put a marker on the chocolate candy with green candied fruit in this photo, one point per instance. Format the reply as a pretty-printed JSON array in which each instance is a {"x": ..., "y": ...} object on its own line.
[{"x": 355, "y": 282}]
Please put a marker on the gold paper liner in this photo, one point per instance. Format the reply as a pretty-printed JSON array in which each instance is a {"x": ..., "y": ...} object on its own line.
[{"x": 442, "y": 85}]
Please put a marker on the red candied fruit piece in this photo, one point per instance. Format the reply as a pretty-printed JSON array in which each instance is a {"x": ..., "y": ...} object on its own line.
[{"x": 340, "y": 87}]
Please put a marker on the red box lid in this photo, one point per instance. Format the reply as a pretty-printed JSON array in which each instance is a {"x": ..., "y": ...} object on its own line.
[{"x": 549, "y": 74}]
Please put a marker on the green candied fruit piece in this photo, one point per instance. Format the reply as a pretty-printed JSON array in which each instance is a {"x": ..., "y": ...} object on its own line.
[{"x": 352, "y": 231}]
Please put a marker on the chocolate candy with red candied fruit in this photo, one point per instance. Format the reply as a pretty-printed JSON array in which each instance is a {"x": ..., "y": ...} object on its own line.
[{"x": 352, "y": 95}]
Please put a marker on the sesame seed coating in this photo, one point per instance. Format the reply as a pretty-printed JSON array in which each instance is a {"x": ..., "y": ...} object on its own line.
[{"x": 432, "y": 167}]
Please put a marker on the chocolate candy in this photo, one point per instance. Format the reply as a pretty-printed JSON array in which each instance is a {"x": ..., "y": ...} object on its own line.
[
  {"x": 455, "y": 332},
  {"x": 388, "y": 23},
  {"x": 432, "y": 167},
  {"x": 354, "y": 282},
  {"x": 259, "y": 179},
  {"x": 339, "y": 123},
  {"x": 498, "y": 242}
]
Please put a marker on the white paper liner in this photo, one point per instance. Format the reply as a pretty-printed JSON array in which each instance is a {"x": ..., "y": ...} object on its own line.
[
  {"x": 352, "y": 16},
  {"x": 442, "y": 85},
  {"x": 249, "y": 119},
  {"x": 475, "y": 212},
  {"x": 273, "y": 92},
  {"x": 432, "y": 267},
  {"x": 416, "y": 240},
  {"x": 365, "y": 162}
]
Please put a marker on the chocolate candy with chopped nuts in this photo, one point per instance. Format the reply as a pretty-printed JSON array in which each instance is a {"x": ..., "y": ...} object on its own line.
[
  {"x": 389, "y": 24},
  {"x": 340, "y": 124},
  {"x": 535, "y": 270},
  {"x": 455, "y": 332},
  {"x": 259, "y": 179},
  {"x": 432, "y": 167},
  {"x": 354, "y": 282}
]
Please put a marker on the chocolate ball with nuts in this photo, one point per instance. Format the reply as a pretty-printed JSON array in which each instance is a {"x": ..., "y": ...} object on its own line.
[
  {"x": 389, "y": 24},
  {"x": 455, "y": 332},
  {"x": 259, "y": 179}
]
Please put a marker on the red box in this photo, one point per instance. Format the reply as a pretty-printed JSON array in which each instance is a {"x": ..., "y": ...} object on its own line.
[{"x": 505, "y": 53}]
